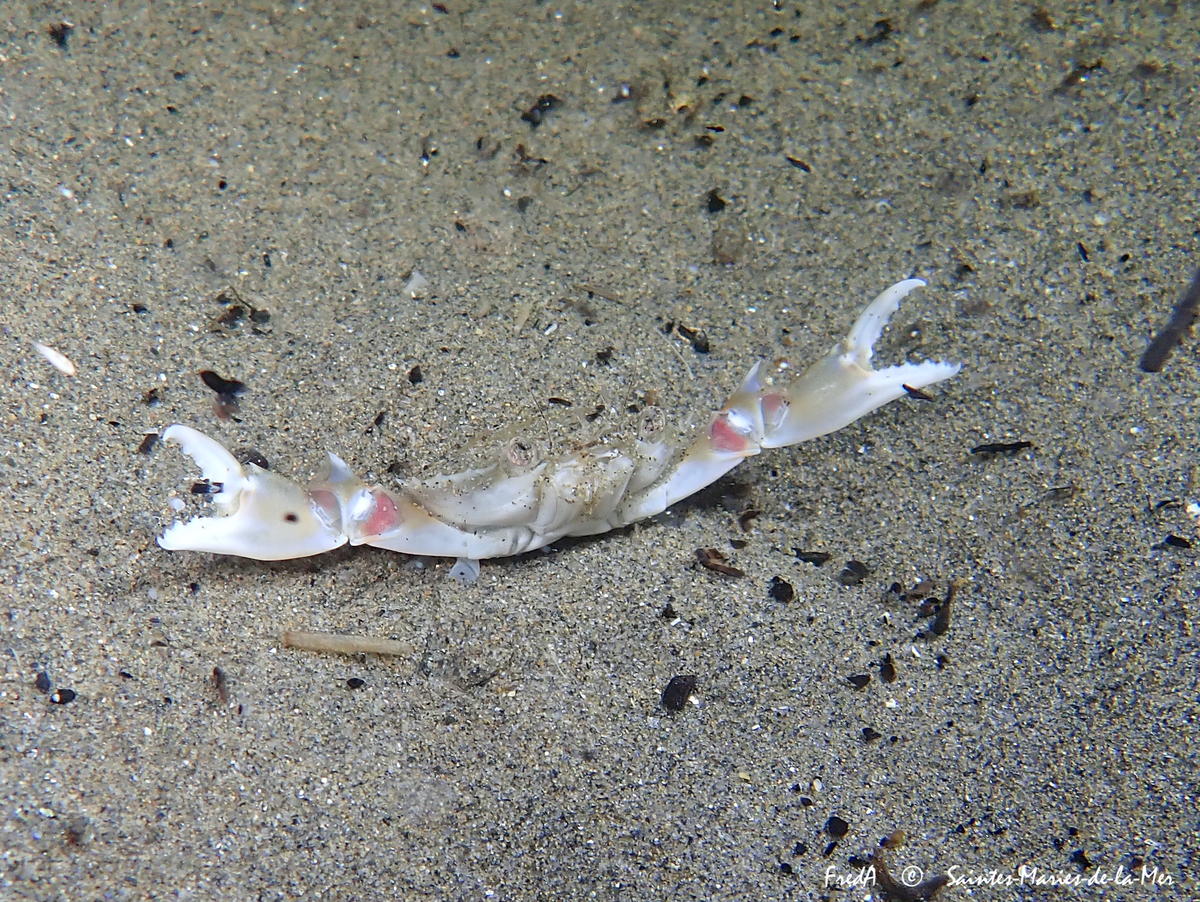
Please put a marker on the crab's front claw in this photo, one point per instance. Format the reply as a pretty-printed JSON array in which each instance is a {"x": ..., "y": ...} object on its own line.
[
  {"x": 842, "y": 387},
  {"x": 266, "y": 517}
]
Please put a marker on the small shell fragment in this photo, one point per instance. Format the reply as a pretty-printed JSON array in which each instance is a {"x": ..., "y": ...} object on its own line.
[
  {"x": 57, "y": 359},
  {"x": 340, "y": 644},
  {"x": 417, "y": 285}
]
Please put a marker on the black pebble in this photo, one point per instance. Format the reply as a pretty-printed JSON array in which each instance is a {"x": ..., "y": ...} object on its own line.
[
  {"x": 355, "y": 683},
  {"x": 536, "y": 113},
  {"x": 816, "y": 558},
  {"x": 1174, "y": 541},
  {"x": 678, "y": 691},
  {"x": 781, "y": 590},
  {"x": 42, "y": 682},
  {"x": 251, "y": 456},
  {"x": 887, "y": 669},
  {"x": 853, "y": 573},
  {"x": 59, "y": 32},
  {"x": 836, "y": 827}
]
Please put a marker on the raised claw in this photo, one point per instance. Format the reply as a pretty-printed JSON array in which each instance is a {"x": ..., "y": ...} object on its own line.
[
  {"x": 774, "y": 411},
  {"x": 842, "y": 387},
  {"x": 266, "y": 516},
  {"x": 861, "y": 338}
]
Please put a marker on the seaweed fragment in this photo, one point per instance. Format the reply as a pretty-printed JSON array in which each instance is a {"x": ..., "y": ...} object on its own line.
[
  {"x": 711, "y": 559},
  {"x": 893, "y": 890},
  {"x": 227, "y": 391},
  {"x": 1177, "y": 325},
  {"x": 993, "y": 449}
]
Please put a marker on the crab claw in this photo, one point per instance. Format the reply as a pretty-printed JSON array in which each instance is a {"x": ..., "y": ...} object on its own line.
[
  {"x": 842, "y": 387},
  {"x": 266, "y": 517}
]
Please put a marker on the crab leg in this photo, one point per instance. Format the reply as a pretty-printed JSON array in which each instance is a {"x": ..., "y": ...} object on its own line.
[{"x": 491, "y": 512}]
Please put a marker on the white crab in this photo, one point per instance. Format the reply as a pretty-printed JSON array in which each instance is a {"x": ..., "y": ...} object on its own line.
[{"x": 490, "y": 512}]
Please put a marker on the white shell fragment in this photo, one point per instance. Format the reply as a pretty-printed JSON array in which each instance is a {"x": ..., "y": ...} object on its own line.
[
  {"x": 56, "y": 358},
  {"x": 417, "y": 285}
]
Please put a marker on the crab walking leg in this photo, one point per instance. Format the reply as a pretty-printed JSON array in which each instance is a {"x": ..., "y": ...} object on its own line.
[{"x": 773, "y": 412}]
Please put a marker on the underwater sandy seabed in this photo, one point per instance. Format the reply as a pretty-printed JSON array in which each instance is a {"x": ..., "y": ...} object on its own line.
[{"x": 615, "y": 206}]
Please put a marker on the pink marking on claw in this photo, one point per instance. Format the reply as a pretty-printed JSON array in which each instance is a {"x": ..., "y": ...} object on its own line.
[
  {"x": 327, "y": 501},
  {"x": 774, "y": 408},
  {"x": 725, "y": 436},
  {"x": 384, "y": 515}
]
